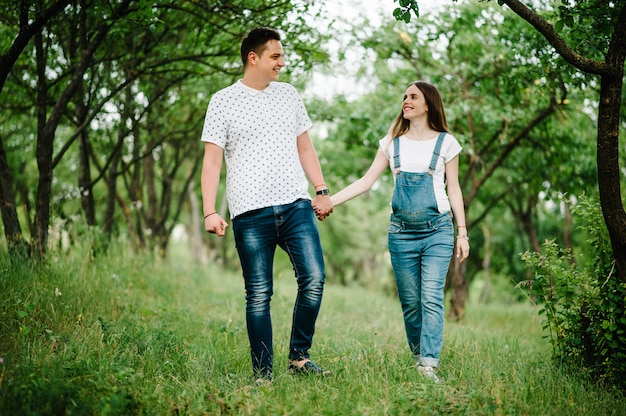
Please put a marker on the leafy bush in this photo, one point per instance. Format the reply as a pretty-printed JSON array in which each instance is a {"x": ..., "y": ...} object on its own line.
[{"x": 584, "y": 304}]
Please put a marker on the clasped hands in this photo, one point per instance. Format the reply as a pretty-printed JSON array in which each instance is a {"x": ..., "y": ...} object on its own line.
[{"x": 323, "y": 206}]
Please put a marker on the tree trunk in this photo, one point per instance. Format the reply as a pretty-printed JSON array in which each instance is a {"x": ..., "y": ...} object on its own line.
[
  {"x": 43, "y": 153},
  {"x": 484, "y": 296},
  {"x": 196, "y": 226},
  {"x": 608, "y": 168},
  {"x": 460, "y": 289},
  {"x": 85, "y": 184},
  {"x": 150, "y": 208},
  {"x": 12, "y": 230},
  {"x": 567, "y": 230},
  {"x": 111, "y": 184},
  {"x": 525, "y": 215}
]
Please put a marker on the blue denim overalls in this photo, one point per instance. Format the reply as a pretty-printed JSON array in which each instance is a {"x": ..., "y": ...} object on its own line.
[{"x": 421, "y": 242}]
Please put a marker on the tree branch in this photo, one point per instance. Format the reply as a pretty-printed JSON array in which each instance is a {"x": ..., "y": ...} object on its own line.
[
  {"x": 547, "y": 30},
  {"x": 27, "y": 31}
]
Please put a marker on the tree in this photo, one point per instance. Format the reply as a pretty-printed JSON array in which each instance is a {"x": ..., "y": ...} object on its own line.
[
  {"x": 508, "y": 112},
  {"x": 108, "y": 79},
  {"x": 27, "y": 29}
]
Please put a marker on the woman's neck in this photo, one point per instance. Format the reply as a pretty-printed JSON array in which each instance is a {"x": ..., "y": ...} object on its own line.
[{"x": 420, "y": 131}]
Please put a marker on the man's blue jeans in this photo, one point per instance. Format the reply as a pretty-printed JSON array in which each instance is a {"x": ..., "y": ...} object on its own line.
[
  {"x": 257, "y": 234},
  {"x": 420, "y": 256}
]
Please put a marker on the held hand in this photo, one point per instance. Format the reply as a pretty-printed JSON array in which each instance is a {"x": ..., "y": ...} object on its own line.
[
  {"x": 323, "y": 206},
  {"x": 462, "y": 249},
  {"x": 215, "y": 224}
]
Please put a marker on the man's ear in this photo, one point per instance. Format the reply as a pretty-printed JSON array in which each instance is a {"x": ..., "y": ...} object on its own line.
[{"x": 252, "y": 57}]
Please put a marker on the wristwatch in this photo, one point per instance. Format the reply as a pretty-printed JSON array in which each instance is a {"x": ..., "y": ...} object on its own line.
[{"x": 322, "y": 192}]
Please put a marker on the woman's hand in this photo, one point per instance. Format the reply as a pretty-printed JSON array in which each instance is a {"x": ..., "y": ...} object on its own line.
[
  {"x": 462, "y": 248},
  {"x": 323, "y": 206}
]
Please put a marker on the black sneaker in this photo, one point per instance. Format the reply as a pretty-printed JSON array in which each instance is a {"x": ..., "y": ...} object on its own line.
[
  {"x": 308, "y": 368},
  {"x": 263, "y": 378}
]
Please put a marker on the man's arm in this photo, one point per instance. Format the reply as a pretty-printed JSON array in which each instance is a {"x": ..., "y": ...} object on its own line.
[
  {"x": 210, "y": 180},
  {"x": 311, "y": 166}
]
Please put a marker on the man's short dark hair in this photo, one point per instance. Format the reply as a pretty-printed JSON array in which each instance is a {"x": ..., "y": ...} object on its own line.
[{"x": 256, "y": 42}]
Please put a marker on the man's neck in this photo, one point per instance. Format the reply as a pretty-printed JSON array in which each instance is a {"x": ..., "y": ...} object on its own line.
[{"x": 255, "y": 83}]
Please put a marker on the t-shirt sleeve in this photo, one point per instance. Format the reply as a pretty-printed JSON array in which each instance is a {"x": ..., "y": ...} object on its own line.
[
  {"x": 215, "y": 128},
  {"x": 303, "y": 119},
  {"x": 452, "y": 149},
  {"x": 385, "y": 146}
]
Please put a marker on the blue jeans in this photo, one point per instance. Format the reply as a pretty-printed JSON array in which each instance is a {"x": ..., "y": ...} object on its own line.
[
  {"x": 292, "y": 227},
  {"x": 420, "y": 256}
]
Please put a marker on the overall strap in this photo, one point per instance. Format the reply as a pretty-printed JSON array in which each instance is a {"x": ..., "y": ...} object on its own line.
[
  {"x": 433, "y": 161},
  {"x": 396, "y": 153}
]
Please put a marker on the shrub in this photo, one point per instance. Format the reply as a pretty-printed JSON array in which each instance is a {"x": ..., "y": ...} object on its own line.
[{"x": 583, "y": 304}]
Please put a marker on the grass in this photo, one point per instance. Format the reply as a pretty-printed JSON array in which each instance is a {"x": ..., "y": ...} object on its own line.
[{"x": 127, "y": 334}]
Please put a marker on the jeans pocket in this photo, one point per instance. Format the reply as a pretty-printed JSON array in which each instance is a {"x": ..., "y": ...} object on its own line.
[{"x": 394, "y": 227}]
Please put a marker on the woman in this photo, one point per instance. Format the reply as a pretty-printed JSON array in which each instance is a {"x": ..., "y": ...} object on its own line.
[{"x": 422, "y": 155}]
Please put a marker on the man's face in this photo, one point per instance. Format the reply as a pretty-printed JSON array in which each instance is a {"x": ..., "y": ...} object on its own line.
[{"x": 271, "y": 61}]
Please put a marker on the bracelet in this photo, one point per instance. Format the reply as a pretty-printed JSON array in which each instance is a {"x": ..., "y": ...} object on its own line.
[
  {"x": 461, "y": 226},
  {"x": 464, "y": 237},
  {"x": 317, "y": 186},
  {"x": 208, "y": 215}
]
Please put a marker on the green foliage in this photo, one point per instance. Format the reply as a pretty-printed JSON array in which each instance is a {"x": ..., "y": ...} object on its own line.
[
  {"x": 404, "y": 11},
  {"x": 497, "y": 75},
  {"x": 127, "y": 150},
  {"x": 133, "y": 334},
  {"x": 584, "y": 304}
]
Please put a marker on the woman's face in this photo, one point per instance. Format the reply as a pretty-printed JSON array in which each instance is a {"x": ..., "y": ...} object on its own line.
[{"x": 414, "y": 103}]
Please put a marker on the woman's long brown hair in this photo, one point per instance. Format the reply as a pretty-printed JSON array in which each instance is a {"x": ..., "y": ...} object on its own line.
[{"x": 436, "y": 114}]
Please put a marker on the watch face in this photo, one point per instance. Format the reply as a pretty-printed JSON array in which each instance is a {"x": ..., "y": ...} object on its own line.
[{"x": 322, "y": 192}]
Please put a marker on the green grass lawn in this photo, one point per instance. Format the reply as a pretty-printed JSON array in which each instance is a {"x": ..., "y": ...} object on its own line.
[{"x": 127, "y": 334}]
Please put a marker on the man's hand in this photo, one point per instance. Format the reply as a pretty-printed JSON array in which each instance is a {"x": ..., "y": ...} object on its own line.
[
  {"x": 323, "y": 206},
  {"x": 215, "y": 224}
]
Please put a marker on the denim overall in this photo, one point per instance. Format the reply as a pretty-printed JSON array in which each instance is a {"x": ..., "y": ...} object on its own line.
[{"x": 421, "y": 242}]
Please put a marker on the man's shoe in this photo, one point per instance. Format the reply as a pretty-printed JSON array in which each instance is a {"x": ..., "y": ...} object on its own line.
[
  {"x": 263, "y": 378},
  {"x": 309, "y": 367},
  {"x": 263, "y": 382}
]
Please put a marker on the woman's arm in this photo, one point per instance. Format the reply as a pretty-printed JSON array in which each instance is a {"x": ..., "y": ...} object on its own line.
[
  {"x": 363, "y": 184},
  {"x": 455, "y": 196}
]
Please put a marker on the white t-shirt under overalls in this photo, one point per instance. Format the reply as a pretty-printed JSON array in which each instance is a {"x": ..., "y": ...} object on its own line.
[{"x": 415, "y": 156}]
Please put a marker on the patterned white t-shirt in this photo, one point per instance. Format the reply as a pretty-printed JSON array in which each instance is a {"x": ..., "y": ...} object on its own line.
[
  {"x": 258, "y": 131},
  {"x": 415, "y": 156}
]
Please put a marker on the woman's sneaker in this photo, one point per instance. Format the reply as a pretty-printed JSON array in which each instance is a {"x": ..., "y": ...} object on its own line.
[{"x": 428, "y": 372}]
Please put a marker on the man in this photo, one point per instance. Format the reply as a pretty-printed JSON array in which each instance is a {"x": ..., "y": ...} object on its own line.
[{"x": 259, "y": 126}]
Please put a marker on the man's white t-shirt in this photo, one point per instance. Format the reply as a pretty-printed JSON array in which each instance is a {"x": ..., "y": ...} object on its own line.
[
  {"x": 258, "y": 131},
  {"x": 415, "y": 156}
]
